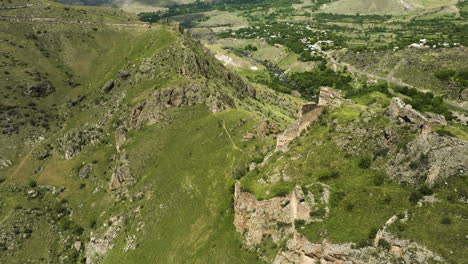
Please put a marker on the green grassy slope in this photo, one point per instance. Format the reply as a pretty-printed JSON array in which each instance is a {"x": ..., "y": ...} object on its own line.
[{"x": 189, "y": 169}]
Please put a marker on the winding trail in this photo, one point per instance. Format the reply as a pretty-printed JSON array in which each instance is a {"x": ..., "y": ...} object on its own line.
[{"x": 229, "y": 136}]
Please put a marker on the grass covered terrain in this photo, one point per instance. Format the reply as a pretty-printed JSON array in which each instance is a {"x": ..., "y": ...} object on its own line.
[
  {"x": 72, "y": 89},
  {"x": 187, "y": 172}
]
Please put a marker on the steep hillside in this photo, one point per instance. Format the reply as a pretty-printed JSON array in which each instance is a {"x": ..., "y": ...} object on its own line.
[
  {"x": 123, "y": 142},
  {"x": 112, "y": 118}
]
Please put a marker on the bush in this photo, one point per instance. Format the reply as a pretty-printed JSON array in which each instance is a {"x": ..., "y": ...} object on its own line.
[
  {"x": 299, "y": 222},
  {"x": 444, "y": 133},
  {"x": 365, "y": 163},
  {"x": 372, "y": 233},
  {"x": 415, "y": 197},
  {"x": 379, "y": 179},
  {"x": 426, "y": 190},
  {"x": 328, "y": 175},
  {"x": 92, "y": 224},
  {"x": 384, "y": 244},
  {"x": 362, "y": 244},
  {"x": 349, "y": 207},
  {"x": 32, "y": 184},
  {"x": 446, "y": 220}
]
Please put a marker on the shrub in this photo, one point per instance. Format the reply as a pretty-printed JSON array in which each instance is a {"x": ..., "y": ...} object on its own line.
[
  {"x": 415, "y": 197},
  {"x": 92, "y": 224},
  {"x": 349, "y": 207},
  {"x": 365, "y": 163},
  {"x": 426, "y": 190},
  {"x": 328, "y": 175},
  {"x": 444, "y": 133},
  {"x": 446, "y": 220},
  {"x": 32, "y": 184},
  {"x": 299, "y": 222},
  {"x": 362, "y": 244},
  {"x": 372, "y": 233},
  {"x": 379, "y": 179},
  {"x": 384, "y": 244}
]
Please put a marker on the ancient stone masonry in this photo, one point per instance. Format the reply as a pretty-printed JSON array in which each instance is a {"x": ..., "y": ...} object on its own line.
[
  {"x": 405, "y": 113},
  {"x": 277, "y": 218},
  {"x": 330, "y": 97},
  {"x": 308, "y": 114}
]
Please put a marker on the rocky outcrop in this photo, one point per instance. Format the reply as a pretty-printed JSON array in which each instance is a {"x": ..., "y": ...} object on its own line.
[
  {"x": 120, "y": 138},
  {"x": 75, "y": 142},
  {"x": 152, "y": 110},
  {"x": 121, "y": 174},
  {"x": 85, "y": 171},
  {"x": 429, "y": 159},
  {"x": 430, "y": 156},
  {"x": 98, "y": 247},
  {"x": 41, "y": 89},
  {"x": 266, "y": 128},
  {"x": 4, "y": 163}
]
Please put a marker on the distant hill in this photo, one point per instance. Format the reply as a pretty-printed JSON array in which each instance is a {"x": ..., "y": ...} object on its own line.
[{"x": 383, "y": 6}]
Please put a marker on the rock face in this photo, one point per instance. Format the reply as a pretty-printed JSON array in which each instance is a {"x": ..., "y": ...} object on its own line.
[
  {"x": 429, "y": 158},
  {"x": 41, "y": 89},
  {"x": 152, "y": 110},
  {"x": 120, "y": 138}
]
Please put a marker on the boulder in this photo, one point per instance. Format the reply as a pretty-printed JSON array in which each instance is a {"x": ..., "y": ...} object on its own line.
[
  {"x": 108, "y": 86},
  {"x": 145, "y": 68},
  {"x": 123, "y": 74},
  {"x": 85, "y": 170},
  {"x": 41, "y": 89}
]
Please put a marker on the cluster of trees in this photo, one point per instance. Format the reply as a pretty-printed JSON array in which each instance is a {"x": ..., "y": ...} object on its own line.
[
  {"x": 297, "y": 37},
  {"x": 425, "y": 102},
  {"x": 309, "y": 83},
  {"x": 450, "y": 75},
  {"x": 223, "y": 5}
]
